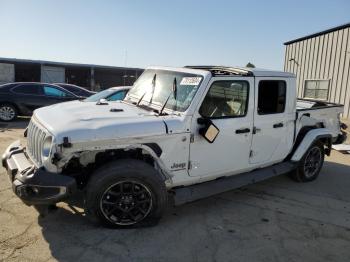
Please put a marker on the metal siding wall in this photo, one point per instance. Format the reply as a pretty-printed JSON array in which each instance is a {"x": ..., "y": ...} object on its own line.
[
  {"x": 299, "y": 58},
  {"x": 285, "y": 58},
  {"x": 333, "y": 37},
  {"x": 294, "y": 56},
  {"x": 300, "y": 79},
  {"x": 319, "y": 57},
  {"x": 340, "y": 65},
  {"x": 340, "y": 87},
  {"x": 307, "y": 62},
  {"x": 316, "y": 48},
  {"x": 346, "y": 77},
  {"x": 323, "y": 57},
  {"x": 335, "y": 58}
]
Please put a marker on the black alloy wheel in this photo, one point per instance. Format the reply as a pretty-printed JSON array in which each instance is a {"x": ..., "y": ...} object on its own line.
[{"x": 126, "y": 202}]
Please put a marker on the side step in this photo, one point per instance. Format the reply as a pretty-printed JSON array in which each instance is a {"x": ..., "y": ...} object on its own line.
[{"x": 191, "y": 193}]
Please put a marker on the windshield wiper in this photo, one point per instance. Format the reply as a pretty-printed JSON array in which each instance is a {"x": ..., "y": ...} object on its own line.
[
  {"x": 174, "y": 93},
  {"x": 153, "y": 85},
  {"x": 138, "y": 102}
]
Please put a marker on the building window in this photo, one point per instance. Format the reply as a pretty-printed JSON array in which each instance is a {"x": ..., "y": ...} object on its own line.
[{"x": 316, "y": 89}]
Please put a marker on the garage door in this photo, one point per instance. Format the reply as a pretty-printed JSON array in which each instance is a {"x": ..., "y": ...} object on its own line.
[
  {"x": 7, "y": 73},
  {"x": 52, "y": 74}
]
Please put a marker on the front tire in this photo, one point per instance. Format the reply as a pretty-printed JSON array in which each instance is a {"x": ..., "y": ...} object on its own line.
[
  {"x": 310, "y": 165},
  {"x": 8, "y": 112},
  {"x": 126, "y": 193}
]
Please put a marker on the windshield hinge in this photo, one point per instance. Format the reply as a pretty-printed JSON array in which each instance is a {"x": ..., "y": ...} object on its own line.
[
  {"x": 192, "y": 138},
  {"x": 189, "y": 165}
]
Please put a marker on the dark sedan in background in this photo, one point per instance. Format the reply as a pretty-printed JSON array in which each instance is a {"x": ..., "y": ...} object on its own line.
[{"x": 21, "y": 99}]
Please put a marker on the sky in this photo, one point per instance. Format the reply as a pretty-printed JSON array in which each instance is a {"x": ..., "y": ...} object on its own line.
[{"x": 140, "y": 33}]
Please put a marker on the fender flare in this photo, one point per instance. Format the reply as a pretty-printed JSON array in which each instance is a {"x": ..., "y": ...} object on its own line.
[
  {"x": 153, "y": 149},
  {"x": 311, "y": 136}
]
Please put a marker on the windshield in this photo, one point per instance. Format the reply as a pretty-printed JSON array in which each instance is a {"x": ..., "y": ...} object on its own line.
[
  {"x": 156, "y": 86},
  {"x": 100, "y": 95}
]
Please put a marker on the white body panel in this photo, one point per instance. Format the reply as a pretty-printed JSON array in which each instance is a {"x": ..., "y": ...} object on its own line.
[
  {"x": 328, "y": 116},
  {"x": 93, "y": 128},
  {"x": 308, "y": 140},
  {"x": 230, "y": 151},
  {"x": 272, "y": 144}
]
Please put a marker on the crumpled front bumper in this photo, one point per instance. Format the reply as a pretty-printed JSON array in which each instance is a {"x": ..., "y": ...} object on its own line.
[{"x": 35, "y": 186}]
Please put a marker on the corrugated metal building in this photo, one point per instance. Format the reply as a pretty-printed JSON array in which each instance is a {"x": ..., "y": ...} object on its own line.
[
  {"x": 321, "y": 62},
  {"x": 94, "y": 77}
]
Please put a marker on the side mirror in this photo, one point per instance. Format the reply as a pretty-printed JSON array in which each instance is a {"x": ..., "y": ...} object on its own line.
[
  {"x": 209, "y": 131},
  {"x": 102, "y": 101}
]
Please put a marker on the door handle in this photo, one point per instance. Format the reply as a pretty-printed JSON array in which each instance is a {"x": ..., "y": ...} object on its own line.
[
  {"x": 242, "y": 131},
  {"x": 278, "y": 125}
]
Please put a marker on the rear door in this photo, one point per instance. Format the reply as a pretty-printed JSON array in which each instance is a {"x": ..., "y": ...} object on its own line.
[{"x": 273, "y": 121}]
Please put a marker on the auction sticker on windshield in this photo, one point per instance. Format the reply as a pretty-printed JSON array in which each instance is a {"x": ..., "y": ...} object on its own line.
[{"x": 190, "y": 81}]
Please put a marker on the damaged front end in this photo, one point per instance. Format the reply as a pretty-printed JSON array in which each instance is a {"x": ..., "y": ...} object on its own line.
[{"x": 33, "y": 185}]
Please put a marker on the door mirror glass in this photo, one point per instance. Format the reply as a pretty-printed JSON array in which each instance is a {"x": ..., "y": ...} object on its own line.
[{"x": 209, "y": 131}]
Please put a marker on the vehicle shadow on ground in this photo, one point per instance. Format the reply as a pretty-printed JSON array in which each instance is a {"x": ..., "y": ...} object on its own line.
[
  {"x": 197, "y": 230},
  {"x": 19, "y": 123}
]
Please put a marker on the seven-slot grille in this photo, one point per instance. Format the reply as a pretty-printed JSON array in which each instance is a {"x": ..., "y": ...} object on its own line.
[{"x": 35, "y": 140}]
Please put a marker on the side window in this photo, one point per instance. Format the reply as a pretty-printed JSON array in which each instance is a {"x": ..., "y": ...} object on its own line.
[
  {"x": 271, "y": 97},
  {"x": 27, "y": 89},
  {"x": 52, "y": 91},
  {"x": 117, "y": 96},
  {"x": 226, "y": 99}
]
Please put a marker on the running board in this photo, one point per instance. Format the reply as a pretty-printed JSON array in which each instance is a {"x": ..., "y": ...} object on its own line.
[{"x": 194, "y": 192}]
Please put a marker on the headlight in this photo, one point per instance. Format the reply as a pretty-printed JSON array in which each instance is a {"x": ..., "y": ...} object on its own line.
[{"x": 47, "y": 146}]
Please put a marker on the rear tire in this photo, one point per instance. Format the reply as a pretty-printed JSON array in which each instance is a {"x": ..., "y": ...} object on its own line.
[
  {"x": 8, "y": 112},
  {"x": 310, "y": 164},
  {"x": 126, "y": 193}
]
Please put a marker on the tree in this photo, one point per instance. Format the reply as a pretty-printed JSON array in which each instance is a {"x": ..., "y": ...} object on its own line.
[{"x": 250, "y": 65}]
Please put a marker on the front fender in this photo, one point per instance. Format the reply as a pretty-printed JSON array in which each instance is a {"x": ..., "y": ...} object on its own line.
[{"x": 312, "y": 136}]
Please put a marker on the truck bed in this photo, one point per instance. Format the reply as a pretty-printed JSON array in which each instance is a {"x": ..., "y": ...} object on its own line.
[
  {"x": 308, "y": 104},
  {"x": 324, "y": 112}
]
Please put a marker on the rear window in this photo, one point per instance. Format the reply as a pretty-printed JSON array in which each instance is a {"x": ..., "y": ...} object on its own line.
[
  {"x": 75, "y": 89},
  {"x": 27, "y": 89},
  {"x": 271, "y": 97},
  {"x": 71, "y": 88}
]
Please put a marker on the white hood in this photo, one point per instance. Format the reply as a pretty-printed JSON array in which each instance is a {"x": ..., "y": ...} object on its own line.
[{"x": 81, "y": 121}]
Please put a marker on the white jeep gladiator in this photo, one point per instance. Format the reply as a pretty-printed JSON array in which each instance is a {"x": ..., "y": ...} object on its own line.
[{"x": 186, "y": 132}]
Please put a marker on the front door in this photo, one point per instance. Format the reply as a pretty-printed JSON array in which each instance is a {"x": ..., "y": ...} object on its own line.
[
  {"x": 273, "y": 121},
  {"x": 229, "y": 104}
]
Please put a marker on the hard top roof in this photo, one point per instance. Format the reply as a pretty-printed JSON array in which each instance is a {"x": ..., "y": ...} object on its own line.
[{"x": 241, "y": 71}]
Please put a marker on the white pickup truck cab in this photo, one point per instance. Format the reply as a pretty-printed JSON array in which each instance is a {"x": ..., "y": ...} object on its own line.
[{"x": 175, "y": 134}]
